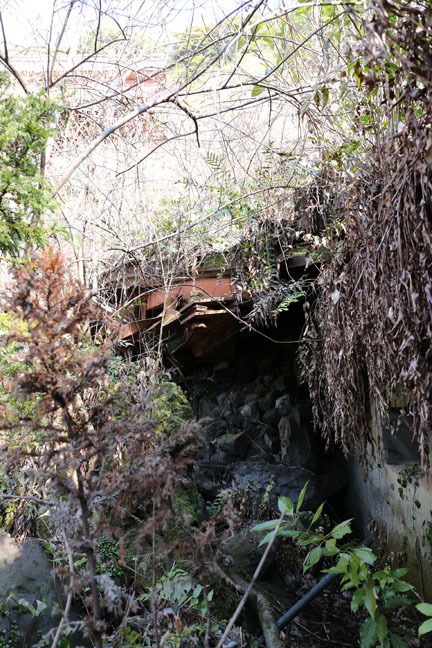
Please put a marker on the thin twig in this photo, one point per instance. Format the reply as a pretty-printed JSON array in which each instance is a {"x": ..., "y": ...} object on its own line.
[
  {"x": 28, "y": 498},
  {"x": 58, "y": 42},
  {"x": 201, "y": 220},
  {"x": 65, "y": 616},
  {"x": 191, "y": 116},
  {"x": 165, "y": 141},
  {"x": 5, "y": 59},
  {"x": 169, "y": 98},
  {"x": 153, "y": 597},
  {"x": 313, "y": 634}
]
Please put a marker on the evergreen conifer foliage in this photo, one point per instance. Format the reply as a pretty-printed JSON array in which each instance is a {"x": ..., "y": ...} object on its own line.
[{"x": 26, "y": 124}]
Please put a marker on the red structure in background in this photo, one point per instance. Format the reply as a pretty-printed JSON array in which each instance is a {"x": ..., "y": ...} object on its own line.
[
  {"x": 201, "y": 315},
  {"x": 88, "y": 84}
]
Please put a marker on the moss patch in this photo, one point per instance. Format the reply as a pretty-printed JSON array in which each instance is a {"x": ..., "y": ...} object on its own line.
[
  {"x": 171, "y": 409},
  {"x": 225, "y": 598},
  {"x": 186, "y": 501}
]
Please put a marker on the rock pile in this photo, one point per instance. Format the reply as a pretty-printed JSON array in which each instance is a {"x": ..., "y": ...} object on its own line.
[{"x": 260, "y": 436}]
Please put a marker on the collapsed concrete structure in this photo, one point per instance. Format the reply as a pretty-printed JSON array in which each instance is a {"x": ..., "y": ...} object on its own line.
[{"x": 203, "y": 319}]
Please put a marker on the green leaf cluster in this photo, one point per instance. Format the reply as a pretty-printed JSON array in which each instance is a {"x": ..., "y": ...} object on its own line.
[
  {"x": 26, "y": 124},
  {"x": 426, "y": 626},
  {"x": 326, "y": 543},
  {"x": 373, "y": 591}
]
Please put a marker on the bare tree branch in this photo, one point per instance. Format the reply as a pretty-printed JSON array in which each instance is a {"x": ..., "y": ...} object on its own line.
[
  {"x": 5, "y": 59},
  {"x": 84, "y": 60},
  {"x": 166, "y": 141},
  {"x": 58, "y": 42},
  {"x": 144, "y": 108},
  {"x": 201, "y": 220},
  {"x": 65, "y": 615}
]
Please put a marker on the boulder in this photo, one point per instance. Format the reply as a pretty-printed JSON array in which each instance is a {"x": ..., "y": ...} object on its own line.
[
  {"x": 233, "y": 420},
  {"x": 208, "y": 487},
  {"x": 221, "y": 398},
  {"x": 233, "y": 445},
  {"x": 212, "y": 428},
  {"x": 249, "y": 410},
  {"x": 261, "y": 391},
  {"x": 295, "y": 444},
  {"x": 271, "y": 417},
  {"x": 268, "y": 442},
  {"x": 268, "y": 402},
  {"x": 257, "y": 475},
  {"x": 283, "y": 404},
  {"x": 236, "y": 397},
  {"x": 255, "y": 432},
  {"x": 245, "y": 553},
  {"x": 227, "y": 408},
  {"x": 26, "y": 579}
]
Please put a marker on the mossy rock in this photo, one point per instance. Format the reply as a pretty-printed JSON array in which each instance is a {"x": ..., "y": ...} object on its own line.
[
  {"x": 26, "y": 582},
  {"x": 225, "y": 598},
  {"x": 171, "y": 408},
  {"x": 188, "y": 507},
  {"x": 187, "y": 502},
  {"x": 245, "y": 553}
]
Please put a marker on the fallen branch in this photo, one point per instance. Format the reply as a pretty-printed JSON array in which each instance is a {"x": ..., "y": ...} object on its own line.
[
  {"x": 26, "y": 498},
  {"x": 264, "y": 609}
]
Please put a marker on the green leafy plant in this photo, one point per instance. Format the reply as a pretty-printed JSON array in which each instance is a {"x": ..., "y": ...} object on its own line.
[
  {"x": 177, "y": 589},
  {"x": 109, "y": 553},
  {"x": 9, "y": 635},
  {"x": 186, "y": 606},
  {"x": 290, "y": 299},
  {"x": 374, "y": 591},
  {"x": 426, "y": 626},
  {"x": 221, "y": 499}
]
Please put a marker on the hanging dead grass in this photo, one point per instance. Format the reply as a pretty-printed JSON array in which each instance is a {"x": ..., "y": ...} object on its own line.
[{"x": 373, "y": 313}]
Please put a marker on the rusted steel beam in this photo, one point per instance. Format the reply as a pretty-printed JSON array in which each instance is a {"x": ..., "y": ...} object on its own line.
[{"x": 212, "y": 286}]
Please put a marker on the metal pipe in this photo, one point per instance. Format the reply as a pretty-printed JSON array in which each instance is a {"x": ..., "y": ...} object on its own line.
[
  {"x": 307, "y": 598},
  {"x": 297, "y": 607}
]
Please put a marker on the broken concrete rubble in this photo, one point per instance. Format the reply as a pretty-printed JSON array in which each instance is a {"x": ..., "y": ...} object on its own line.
[{"x": 264, "y": 446}]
